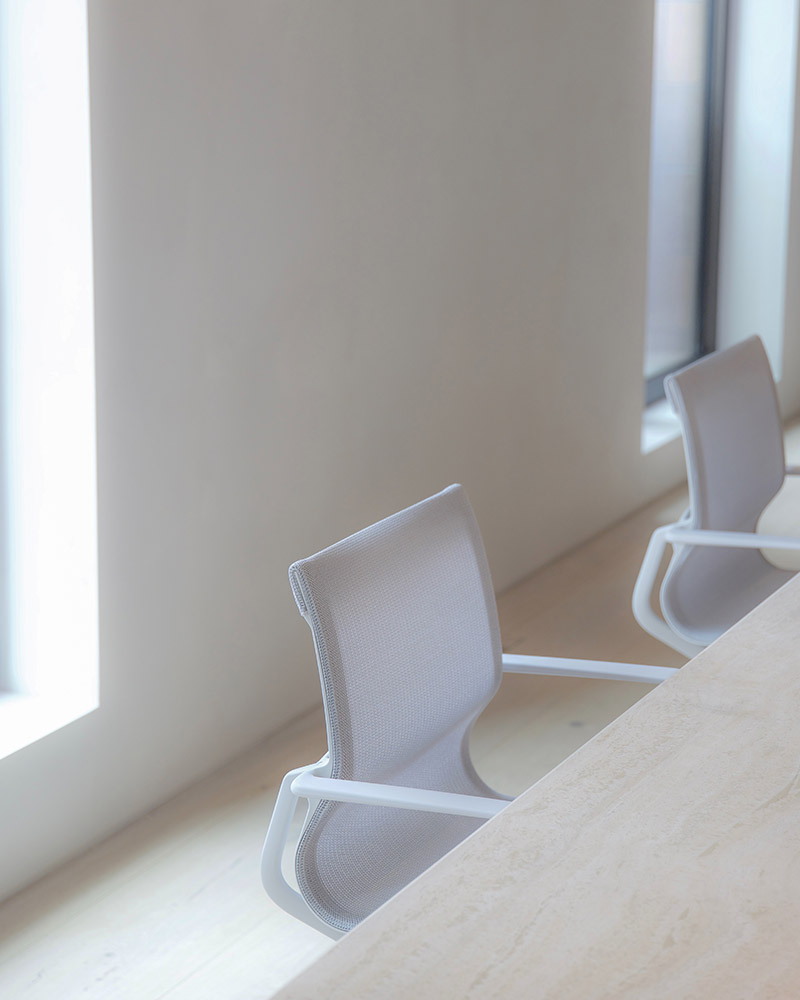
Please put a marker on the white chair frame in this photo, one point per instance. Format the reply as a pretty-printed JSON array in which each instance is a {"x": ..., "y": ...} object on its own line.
[
  {"x": 678, "y": 534},
  {"x": 313, "y": 783}
]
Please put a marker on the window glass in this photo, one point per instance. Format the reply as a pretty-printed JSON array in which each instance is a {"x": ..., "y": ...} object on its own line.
[{"x": 678, "y": 244}]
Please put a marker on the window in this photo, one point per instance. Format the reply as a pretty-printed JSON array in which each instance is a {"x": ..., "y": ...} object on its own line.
[
  {"x": 685, "y": 159},
  {"x": 48, "y": 673}
]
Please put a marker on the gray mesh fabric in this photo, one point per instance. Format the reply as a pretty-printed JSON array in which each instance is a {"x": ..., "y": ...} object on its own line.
[
  {"x": 408, "y": 646},
  {"x": 735, "y": 463}
]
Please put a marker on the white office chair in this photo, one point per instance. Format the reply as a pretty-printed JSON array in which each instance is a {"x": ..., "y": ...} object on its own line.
[
  {"x": 735, "y": 462},
  {"x": 408, "y": 646}
]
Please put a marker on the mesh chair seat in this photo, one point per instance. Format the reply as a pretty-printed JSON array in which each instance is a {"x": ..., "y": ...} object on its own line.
[
  {"x": 716, "y": 588},
  {"x": 352, "y": 858}
]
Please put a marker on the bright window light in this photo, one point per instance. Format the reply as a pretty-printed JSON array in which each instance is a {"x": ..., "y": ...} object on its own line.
[{"x": 50, "y": 650}]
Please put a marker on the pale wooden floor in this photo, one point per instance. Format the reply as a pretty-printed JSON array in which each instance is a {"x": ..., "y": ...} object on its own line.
[{"x": 172, "y": 907}]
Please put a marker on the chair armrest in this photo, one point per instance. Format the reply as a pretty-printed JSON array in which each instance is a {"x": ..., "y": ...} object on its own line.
[
  {"x": 554, "y": 666},
  {"x": 396, "y": 796},
  {"x": 730, "y": 539}
]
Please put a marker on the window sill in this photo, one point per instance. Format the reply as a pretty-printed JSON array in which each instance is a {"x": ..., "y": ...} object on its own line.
[
  {"x": 27, "y": 718},
  {"x": 659, "y": 426}
]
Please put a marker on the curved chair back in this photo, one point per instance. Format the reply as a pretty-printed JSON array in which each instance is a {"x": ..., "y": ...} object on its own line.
[
  {"x": 408, "y": 646},
  {"x": 735, "y": 463}
]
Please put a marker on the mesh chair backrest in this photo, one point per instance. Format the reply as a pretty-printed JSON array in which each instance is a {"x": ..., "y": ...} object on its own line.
[
  {"x": 408, "y": 646},
  {"x": 732, "y": 435},
  {"x": 735, "y": 464}
]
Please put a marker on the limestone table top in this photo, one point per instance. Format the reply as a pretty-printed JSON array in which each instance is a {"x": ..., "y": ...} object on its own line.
[{"x": 661, "y": 860}]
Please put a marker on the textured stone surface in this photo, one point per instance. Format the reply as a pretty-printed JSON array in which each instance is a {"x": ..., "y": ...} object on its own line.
[{"x": 661, "y": 860}]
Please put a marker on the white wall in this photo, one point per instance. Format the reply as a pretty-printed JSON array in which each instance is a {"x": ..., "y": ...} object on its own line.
[{"x": 345, "y": 254}]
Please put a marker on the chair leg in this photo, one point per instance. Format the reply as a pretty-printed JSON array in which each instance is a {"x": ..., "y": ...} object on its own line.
[
  {"x": 277, "y": 888},
  {"x": 645, "y": 582}
]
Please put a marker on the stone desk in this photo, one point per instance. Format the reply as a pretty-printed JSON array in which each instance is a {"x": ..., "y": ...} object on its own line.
[{"x": 661, "y": 860}]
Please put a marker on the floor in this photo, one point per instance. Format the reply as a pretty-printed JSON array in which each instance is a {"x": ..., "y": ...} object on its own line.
[{"x": 171, "y": 907}]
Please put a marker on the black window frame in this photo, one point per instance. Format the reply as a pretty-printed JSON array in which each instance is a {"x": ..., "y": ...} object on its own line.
[{"x": 708, "y": 257}]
